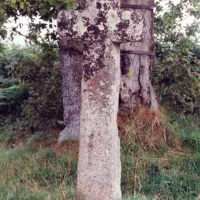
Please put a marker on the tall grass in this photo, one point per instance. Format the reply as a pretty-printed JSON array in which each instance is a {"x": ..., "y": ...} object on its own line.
[
  {"x": 157, "y": 162},
  {"x": 160, "y": 160},
  {"x": 41, "y": 173}
]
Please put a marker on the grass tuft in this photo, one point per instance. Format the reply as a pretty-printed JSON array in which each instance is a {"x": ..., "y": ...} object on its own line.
[{"x": 144, "y": 130}]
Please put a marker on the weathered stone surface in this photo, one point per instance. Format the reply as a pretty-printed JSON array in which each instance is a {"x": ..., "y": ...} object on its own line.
[
  {"x": 99, "y": 168},
  {"x": 95, "y": 24},
  {"x": 97, "y": 31}
]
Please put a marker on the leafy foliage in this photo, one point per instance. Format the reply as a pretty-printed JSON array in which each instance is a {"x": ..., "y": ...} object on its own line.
[
  {"x": 11, "y": 98},
  {"x": 11, "y": 94},
  {"x": 2, "y": 29},
  {"x": 41, "y": 76},
  {"x": 177, "y": 79},
  {"x": 168, "y": 20},
  {"x": 176, "y": 65},
  {"x": 46, "y": 10},
  {"x": 38, "y": 72}
]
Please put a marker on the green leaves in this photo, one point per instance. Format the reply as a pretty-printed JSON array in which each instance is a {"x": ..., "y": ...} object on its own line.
[
  {"x": 176, "y": 70},
  {"x": 177, "y": 79},
  {"x": 168, "y": 21}
]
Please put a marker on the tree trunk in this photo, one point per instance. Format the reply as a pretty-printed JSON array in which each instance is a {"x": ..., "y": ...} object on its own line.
[
  {"x": 136, "y": 85},
  {"x": 71, "y": 89},
  {"x": 136, "y": 63}
]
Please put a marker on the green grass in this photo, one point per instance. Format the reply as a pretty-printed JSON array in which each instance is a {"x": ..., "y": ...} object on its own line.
[
  {"x": 162, "y": 178},
  {"x": 39, "y": 172},
  {"x": 173, "y": 174},
  {"x": 36, "y": 174},
  {"x": 188, "y": 131}
]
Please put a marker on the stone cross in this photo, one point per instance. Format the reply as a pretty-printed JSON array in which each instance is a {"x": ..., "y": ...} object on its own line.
[{"x": 97, "y": 32}]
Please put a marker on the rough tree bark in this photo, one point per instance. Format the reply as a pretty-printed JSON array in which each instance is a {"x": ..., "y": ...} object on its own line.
[
  {"x": 72, "y": 60},
  {"x": 136, "y": 87}
]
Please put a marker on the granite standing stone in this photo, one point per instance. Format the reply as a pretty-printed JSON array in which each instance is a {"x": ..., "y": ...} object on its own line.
[{"x": 98, "y": 31}]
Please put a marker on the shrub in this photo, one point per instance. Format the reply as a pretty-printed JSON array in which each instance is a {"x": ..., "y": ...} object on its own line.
[
  {"x": 177, "y": 81},
  {"x": 11, "y": 99},
  {"x": 35, "y": 71}
]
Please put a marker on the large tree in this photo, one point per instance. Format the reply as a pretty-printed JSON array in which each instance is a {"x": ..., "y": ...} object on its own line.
[
  {"x": 136, "y": 86},
  {"x": 136, "y": 62}
]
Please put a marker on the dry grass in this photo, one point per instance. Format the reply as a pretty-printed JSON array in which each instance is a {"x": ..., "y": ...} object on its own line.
[
  {"x": 146, "y": 129},
  {"x": 154, "y": 157}
]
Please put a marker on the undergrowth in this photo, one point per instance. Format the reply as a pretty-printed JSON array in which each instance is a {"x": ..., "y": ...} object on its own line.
[
  {"x": 160, "y": 155},
  {"x": 160, "y": 159},
  {"x": 38, "y": 172}
]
